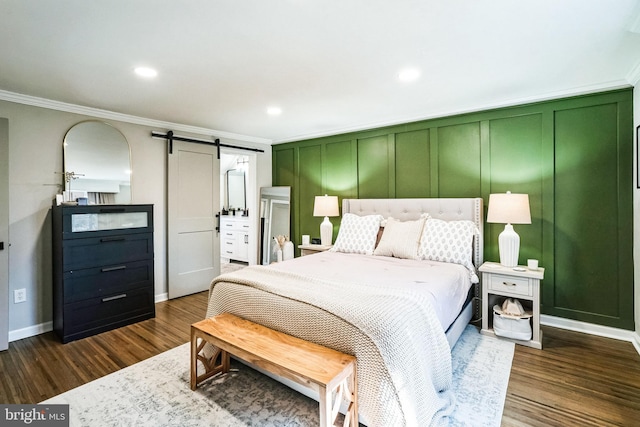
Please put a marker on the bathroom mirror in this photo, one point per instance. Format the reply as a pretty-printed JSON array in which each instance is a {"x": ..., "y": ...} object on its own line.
[
  {"x": 275, "y": 219},
  {"x": 236, "y": 190},
  {"x": 97, "y": 162}
]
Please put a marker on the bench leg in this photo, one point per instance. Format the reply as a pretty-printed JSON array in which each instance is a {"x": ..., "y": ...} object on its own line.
[
  {"x": 351, "y": 385},
  {"x": 325, "y": 407},
  {"x": 330, "y": 401},
  {"x": 211, "y": 366}
]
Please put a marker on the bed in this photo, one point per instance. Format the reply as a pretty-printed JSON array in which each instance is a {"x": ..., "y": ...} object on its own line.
[{"x": 400, "y": 316}]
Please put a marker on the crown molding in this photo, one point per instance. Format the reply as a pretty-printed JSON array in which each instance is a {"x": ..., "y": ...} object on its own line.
[
  {"x": 126, "y": 118},
  {"x": 634, "y": 75},
  {"x": 577, "y": 91}
]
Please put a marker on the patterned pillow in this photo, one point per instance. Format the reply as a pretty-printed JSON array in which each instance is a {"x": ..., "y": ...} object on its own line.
[
  {"x": 357, "y": 234},
  {"x": 449, "y": 241},
  {"x": 400, "y": 239}
]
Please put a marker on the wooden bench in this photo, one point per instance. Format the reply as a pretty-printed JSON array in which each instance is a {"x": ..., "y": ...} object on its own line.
[{"x": 319, "y": 368}]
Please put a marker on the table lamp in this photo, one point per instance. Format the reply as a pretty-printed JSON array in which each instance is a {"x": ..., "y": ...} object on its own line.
[
  {"x": 508, "y": 208},
  {"x": 326, "y": 206}
]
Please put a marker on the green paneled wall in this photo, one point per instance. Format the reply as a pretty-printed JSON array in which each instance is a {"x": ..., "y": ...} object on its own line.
[
  {"x": 572, "y": 156},
  {"x": 412, "y": 157},
  {"x": 375, "y": 176},
  {"x": 458, "y": 160}
]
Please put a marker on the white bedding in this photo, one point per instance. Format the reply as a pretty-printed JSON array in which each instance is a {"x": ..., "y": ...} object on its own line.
[{"x": 446, "y": 285}]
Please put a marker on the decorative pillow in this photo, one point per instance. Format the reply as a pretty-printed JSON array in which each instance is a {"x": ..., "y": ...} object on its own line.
[
  {"x": 357, "y": 234},
  {"x": 400, "y": 239},
  {"x": 449, "y": 241}
]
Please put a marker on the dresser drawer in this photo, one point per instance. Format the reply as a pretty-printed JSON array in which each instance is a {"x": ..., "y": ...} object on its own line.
[
  {"x": 78, "y": 222},
  {"x": 104, "y": 251},
  {"x": 110, "y": 279},
  {"x": 93, "y": 315},
  {"x": 510, "y": 284},
  {"x": 234, "y": 223},
  {"x": 228, "y": 247}
]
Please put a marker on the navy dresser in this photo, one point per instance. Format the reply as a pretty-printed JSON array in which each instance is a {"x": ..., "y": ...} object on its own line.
[{"x": 102, "y": 268}]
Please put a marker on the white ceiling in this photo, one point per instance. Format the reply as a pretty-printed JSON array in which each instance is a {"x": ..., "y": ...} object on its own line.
[{"x": 330, "y": 65}]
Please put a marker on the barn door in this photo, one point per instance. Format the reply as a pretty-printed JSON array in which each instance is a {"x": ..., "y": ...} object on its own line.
[{"x": 193, "y": 202}]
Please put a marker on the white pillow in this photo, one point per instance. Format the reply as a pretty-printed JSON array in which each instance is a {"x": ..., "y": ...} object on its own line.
[
  {"x": 357, "y": 234},
  {"x": 449, "y": 241},
  {"x": 400, "y": 239}
]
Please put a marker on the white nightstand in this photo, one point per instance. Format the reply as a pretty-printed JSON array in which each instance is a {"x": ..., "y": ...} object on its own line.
[
  {"x": 499, "y": 282},
  {"x": 313, "y": 249}
]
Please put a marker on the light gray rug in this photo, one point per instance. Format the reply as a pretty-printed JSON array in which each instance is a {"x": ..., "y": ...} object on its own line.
[{"x": 156, "y": 392}]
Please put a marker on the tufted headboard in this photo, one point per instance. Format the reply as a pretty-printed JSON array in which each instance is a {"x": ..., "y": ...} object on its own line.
[{"x": 410, "y": 209}]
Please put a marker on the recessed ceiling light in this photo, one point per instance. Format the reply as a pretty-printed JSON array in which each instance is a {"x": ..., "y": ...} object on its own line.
[
  {"x": 409, "y": 75},
  {"x": 274, "y": 111},
  {"x": 145, "y": 72}
]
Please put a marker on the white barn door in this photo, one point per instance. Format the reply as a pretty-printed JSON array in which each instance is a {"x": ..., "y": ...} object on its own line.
[{"x": 193, "y": 201}]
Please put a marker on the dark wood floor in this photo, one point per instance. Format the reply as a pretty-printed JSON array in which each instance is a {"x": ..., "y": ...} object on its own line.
[{"x": 577, "y": 379}]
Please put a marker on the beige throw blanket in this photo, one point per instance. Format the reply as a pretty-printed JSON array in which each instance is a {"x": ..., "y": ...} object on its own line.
[{"x": 403, "y": 358}]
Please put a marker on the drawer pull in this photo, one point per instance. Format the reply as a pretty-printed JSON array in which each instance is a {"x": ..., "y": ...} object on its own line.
[
  {"x": 509, "y": 284},
  {"x": 111, "y": 210},
  {"x": 115, "y": 297},
  {"x": 107, "y": 269},
  {"x": 112, "y": 239}
]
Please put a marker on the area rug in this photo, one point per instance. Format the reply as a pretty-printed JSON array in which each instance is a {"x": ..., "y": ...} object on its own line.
[{"x": 155, "y": 392}]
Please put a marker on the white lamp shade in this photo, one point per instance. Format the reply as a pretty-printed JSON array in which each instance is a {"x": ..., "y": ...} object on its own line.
[
  {"x": 509, "y": 208},
  {"x": 326, "y": 206}
]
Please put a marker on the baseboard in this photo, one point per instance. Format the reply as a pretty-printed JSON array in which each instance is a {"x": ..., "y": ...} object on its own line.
[
  {"x": 593, "y": 329},
  {"x": 30, "y": 331},
  {"x": 161, "y": 297},
  {"x": 636, "y": 341}
]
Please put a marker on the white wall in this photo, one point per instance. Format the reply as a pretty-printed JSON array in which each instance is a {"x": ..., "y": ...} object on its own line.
[{"x": 35, "y": 164}]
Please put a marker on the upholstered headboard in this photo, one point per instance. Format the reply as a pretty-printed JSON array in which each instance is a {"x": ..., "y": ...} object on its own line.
[{"x": 447, "y": 209}]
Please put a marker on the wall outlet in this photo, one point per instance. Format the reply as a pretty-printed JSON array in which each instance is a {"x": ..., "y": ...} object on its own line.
[{"x": 19, "y": 295}]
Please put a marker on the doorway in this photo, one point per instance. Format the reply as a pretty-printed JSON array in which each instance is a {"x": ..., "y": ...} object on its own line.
[{"x": 238, "y": 204}]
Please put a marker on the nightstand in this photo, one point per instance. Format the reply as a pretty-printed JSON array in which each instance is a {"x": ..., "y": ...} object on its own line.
[
  {"x": 500, "y": 282},
  {"x": 313, "y": 249}
]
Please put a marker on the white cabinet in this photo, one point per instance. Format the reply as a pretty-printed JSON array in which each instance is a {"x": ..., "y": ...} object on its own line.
[
  {"x": 499, "y": 282},
  {"x": 234, "y": 238}
]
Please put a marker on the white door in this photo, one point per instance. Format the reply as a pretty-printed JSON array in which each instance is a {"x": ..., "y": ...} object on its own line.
[
  {"x": 4, "y": 234},
  {"x": 193, "y": 201}
]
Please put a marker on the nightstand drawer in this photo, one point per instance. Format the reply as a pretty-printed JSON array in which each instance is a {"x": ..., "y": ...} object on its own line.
[{"x": 510, "y": 284}]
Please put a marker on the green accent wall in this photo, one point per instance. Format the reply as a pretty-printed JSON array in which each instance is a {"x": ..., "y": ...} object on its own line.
[{"x": 572, "y": 156}]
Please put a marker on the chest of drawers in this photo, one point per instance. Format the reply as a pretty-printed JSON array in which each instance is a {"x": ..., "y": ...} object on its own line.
[
  {"x": 234, "y": 238},
  {"x": 102, "y": 268}
]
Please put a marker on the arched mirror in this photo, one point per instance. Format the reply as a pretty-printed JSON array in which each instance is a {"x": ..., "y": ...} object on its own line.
[{"x": 97, "y": 164}]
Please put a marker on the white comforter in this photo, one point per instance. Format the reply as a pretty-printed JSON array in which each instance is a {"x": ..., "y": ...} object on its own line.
[
  {"x": 446, "y": 285},
  {"x": 404, "y": 360}
]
